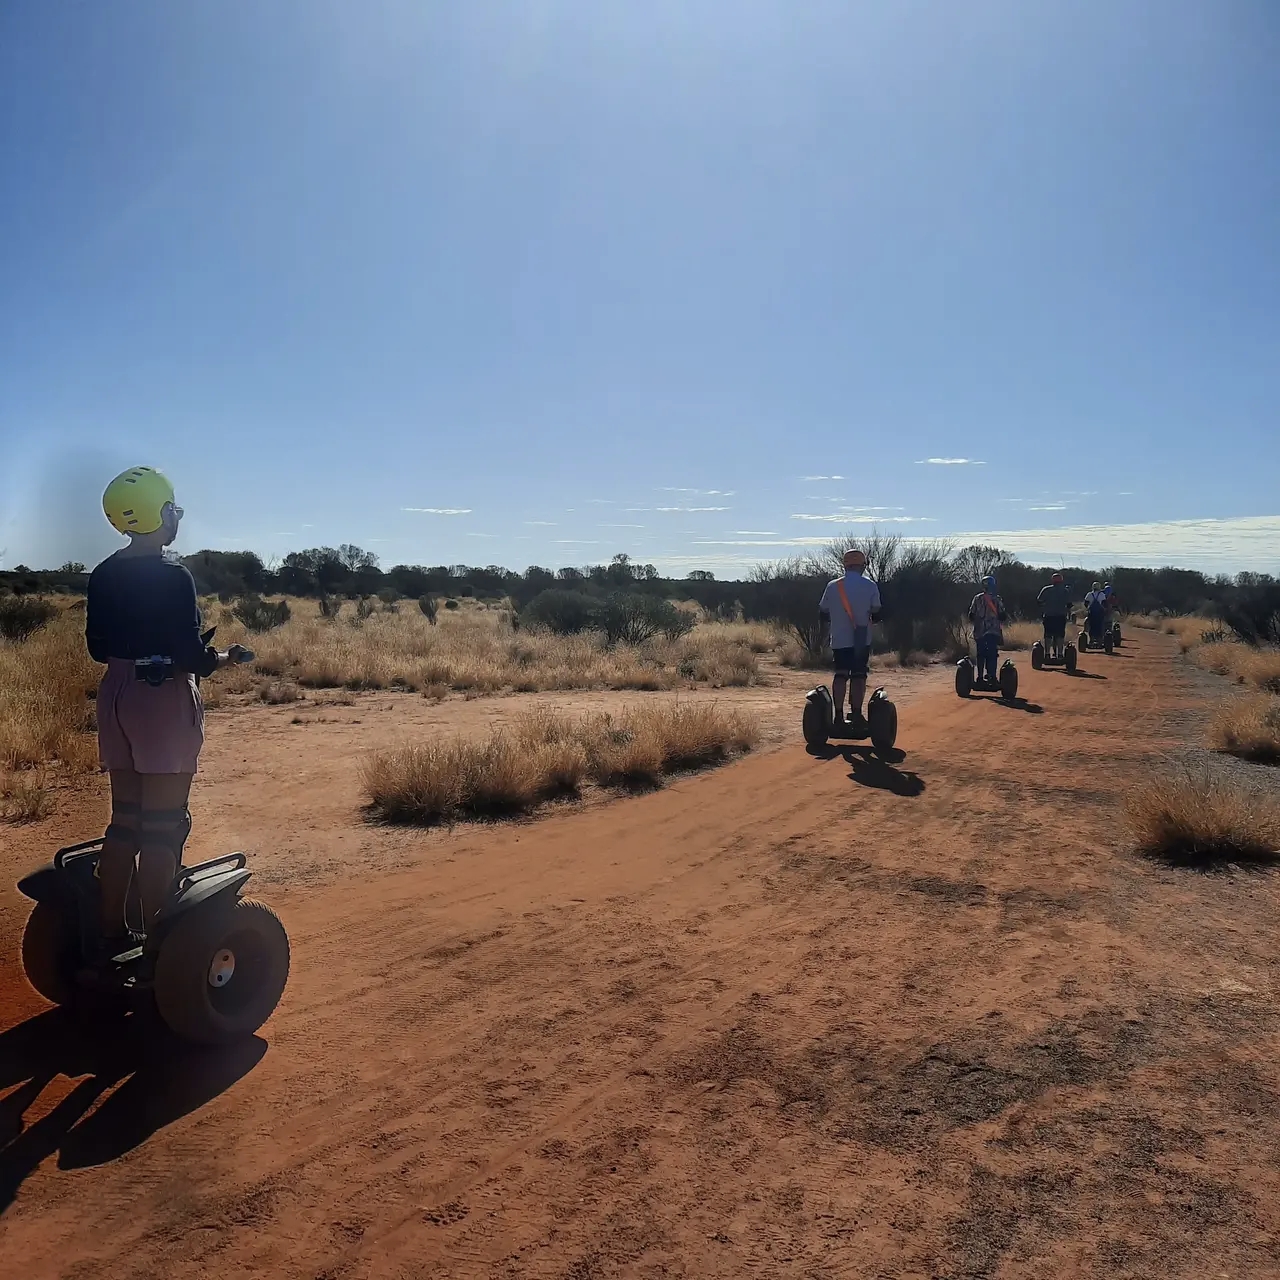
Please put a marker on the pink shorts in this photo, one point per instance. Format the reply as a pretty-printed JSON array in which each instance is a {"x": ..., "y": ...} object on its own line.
[{"x": 148, "y": 729}]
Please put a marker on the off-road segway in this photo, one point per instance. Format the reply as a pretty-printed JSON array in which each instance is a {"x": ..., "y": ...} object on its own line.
[
  {"x": 214, "y": 964},
  {"x": 1097, "y": 634},
  {"x": 968, "y": 681},
  {"x": 818, "y": 722},
  {"x": 1042, "y": 656}
]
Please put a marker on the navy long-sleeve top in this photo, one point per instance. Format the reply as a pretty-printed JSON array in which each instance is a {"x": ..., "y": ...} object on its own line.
[{"x": 143, "y": 607}]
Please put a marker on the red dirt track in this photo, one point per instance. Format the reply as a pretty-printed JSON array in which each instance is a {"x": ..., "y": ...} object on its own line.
[{"x": 798, "y": 1017}]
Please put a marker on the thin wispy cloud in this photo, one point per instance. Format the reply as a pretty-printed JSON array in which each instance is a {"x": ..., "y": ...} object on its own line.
[
  {"x": 855, "y": 517},
  {"x": 546, "y": 524},
  {"x": 949, "y": 462},
  {"x": 481, "y": 535},
  {"x": 1050, "y": 506},
  {"x": 619, "y": 526},
  {"x": 576, "y": 542},
  {"x": 819, "y": 479},
  {"x": 601, "y": 502},
  {"x": 440, "y": 511},
  {"x": 691, "y": 508},
  {"x": 700, "y": 493},
  {"x": 756, "y": 533}
]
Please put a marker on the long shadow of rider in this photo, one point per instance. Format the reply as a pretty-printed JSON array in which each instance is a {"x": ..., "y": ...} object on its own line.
[
  {"x": 872, "y": 768},
  {"x": 143, "y": 1077}
]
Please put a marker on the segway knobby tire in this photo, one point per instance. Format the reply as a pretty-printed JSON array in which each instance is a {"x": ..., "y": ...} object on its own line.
[
  {"x": 1069, "y": 659},
  {"x": 1008, "y": 681},
  {"x": 220, "y": 972},
  {"x": 818, "y": 721},
  {"x": 1084, "y": 642},
  {"x": 882, "y": 717},
  {"x": 1037, "y": 656},
  {"x": 964, "y": 678},
  {"x": 49, "y": 951},
  {"x": 1107, "y": 644}
]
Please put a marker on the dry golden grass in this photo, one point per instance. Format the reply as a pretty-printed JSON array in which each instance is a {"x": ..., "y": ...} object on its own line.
[
  {"x": 476, "y": 650},
  {"x": 1022, "y": 635},
  {"x": 46, "y": 706},
  {"x": 1249, "y": 728},
  {"x": 543, "y": 755},
  {"x": 1243, "y": 663},
  {"x": 1189, "y": 630},
  {"x": 1192, "y": 817},
  {"x": 25, "y": 796}
]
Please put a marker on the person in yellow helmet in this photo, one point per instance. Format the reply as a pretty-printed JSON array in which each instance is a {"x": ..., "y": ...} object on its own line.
[{"x": 143, "y": 623}]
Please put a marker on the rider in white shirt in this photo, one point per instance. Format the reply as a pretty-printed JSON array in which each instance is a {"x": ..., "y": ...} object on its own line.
[{"x": 849, "y": 606}]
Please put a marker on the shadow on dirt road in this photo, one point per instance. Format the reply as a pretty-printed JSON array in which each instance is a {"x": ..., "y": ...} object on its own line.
[{"x": 138, "y": 1077}]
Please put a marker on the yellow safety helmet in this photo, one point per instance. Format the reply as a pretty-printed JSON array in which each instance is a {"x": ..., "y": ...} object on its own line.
[{"x": 135, "y": 500}]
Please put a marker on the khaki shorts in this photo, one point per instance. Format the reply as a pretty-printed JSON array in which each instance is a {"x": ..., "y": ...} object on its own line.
[{"x": 149, "y": 729}]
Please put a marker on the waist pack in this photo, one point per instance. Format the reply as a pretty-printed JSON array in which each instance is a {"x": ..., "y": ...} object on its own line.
[{"x": 154, "y": 670}]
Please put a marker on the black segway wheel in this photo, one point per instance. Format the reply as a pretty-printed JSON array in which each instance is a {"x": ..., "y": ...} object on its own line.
[
  {"x": 819, "y": 717},
  {"x": 221, "y": 971},
  {"x": 964, "y": 678},
  {"x": 1084, "y": 642},
  {"x": 882, "y": 717},
  {"x": 49, "y": 951},
  {"x": 1008, "y": 681},
  {"x": 1037, "y": 656},
  {"x": 1115, "y": 635},
  {"x": 1069, "y": 659},
  {"x": 1107, "y": 643}
]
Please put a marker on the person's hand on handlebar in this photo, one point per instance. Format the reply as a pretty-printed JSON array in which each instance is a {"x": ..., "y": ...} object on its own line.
[{"x": 234, "y": 655}]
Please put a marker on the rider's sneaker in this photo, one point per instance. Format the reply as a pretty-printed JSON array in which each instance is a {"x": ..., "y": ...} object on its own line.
[{"x": 98, "y": 963}]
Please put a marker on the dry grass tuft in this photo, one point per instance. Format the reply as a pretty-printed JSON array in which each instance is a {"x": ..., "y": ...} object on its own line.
[
  {"x": 1196, "y": 818},
  {"x": 476, "y": 651},
  {"x": 25, "y": 796},
  {"x": 543, "y": 755},
  {"x": 1022, "y": 635},
  {"x": 1243, "y": 663},
  {"x": 1249, "y": 728},
  {"x": 277, "y": 692},
  {"x": 47, "y": 684}
]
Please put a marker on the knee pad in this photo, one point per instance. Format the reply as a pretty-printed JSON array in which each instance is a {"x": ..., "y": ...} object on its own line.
[{"x": 165, "y": 829}]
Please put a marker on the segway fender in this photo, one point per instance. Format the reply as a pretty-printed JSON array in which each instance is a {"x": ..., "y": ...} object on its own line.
[
  {"x": 43, "y": 884},
  {"x": 197, "y": 892},
  {"x": 819, "y": 716}
]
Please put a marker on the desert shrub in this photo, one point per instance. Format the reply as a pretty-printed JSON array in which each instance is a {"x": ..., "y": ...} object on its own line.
[
  {"x": 389, "y": 596},
  {"x": 25, "y": 796},
  {"x": 450, "y": 604},
  {"x": 22, "y": 616},
  {"x": 543, "y": 755},
  {"x": 46, "y": 704},
  {"x": 1195, "y": 817},
  {"x": 561, "y": 612},
  {"x": 259, "y": 615},
  {"x": 1249, "y": 728},
  {"x": 277, "y": 692},
  {"x": 633, "y": 619},
  {"x": 330, "y": 608},
  {"x": 365, "y": 609},
  {"x": 427, "y": 607}
]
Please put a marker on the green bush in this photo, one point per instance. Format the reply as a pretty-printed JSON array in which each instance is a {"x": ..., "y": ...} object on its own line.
[
  {"x": 563, "y": 613},
  {"x": 258, "y": 614},
  {"x": 23, "y": 616},
  {"x": 633, "y": 619},
  {"x": 450, "y": 604}
]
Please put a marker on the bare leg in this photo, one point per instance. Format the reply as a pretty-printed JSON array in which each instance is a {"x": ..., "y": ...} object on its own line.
[
  {"x": 119, "y": 849},
  {"x": 857, "y": 691},
  {"x": 838, "y": 683},
  {"x": 164, "y": 828}
]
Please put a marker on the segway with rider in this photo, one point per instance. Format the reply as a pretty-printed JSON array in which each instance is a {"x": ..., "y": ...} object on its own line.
[
  {"x": 120, "y": 917},
  {"x": 1054, "y": 650},
  {"x": 985, "y": 671},
  {"x": 850, "y": 605}
]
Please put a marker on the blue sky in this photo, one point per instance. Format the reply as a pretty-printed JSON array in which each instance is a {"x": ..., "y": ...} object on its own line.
[{"x": 705, "y": 282}]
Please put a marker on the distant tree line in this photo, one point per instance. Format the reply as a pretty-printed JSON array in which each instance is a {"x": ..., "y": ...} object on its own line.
[{"x": 925, "y": 585}]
